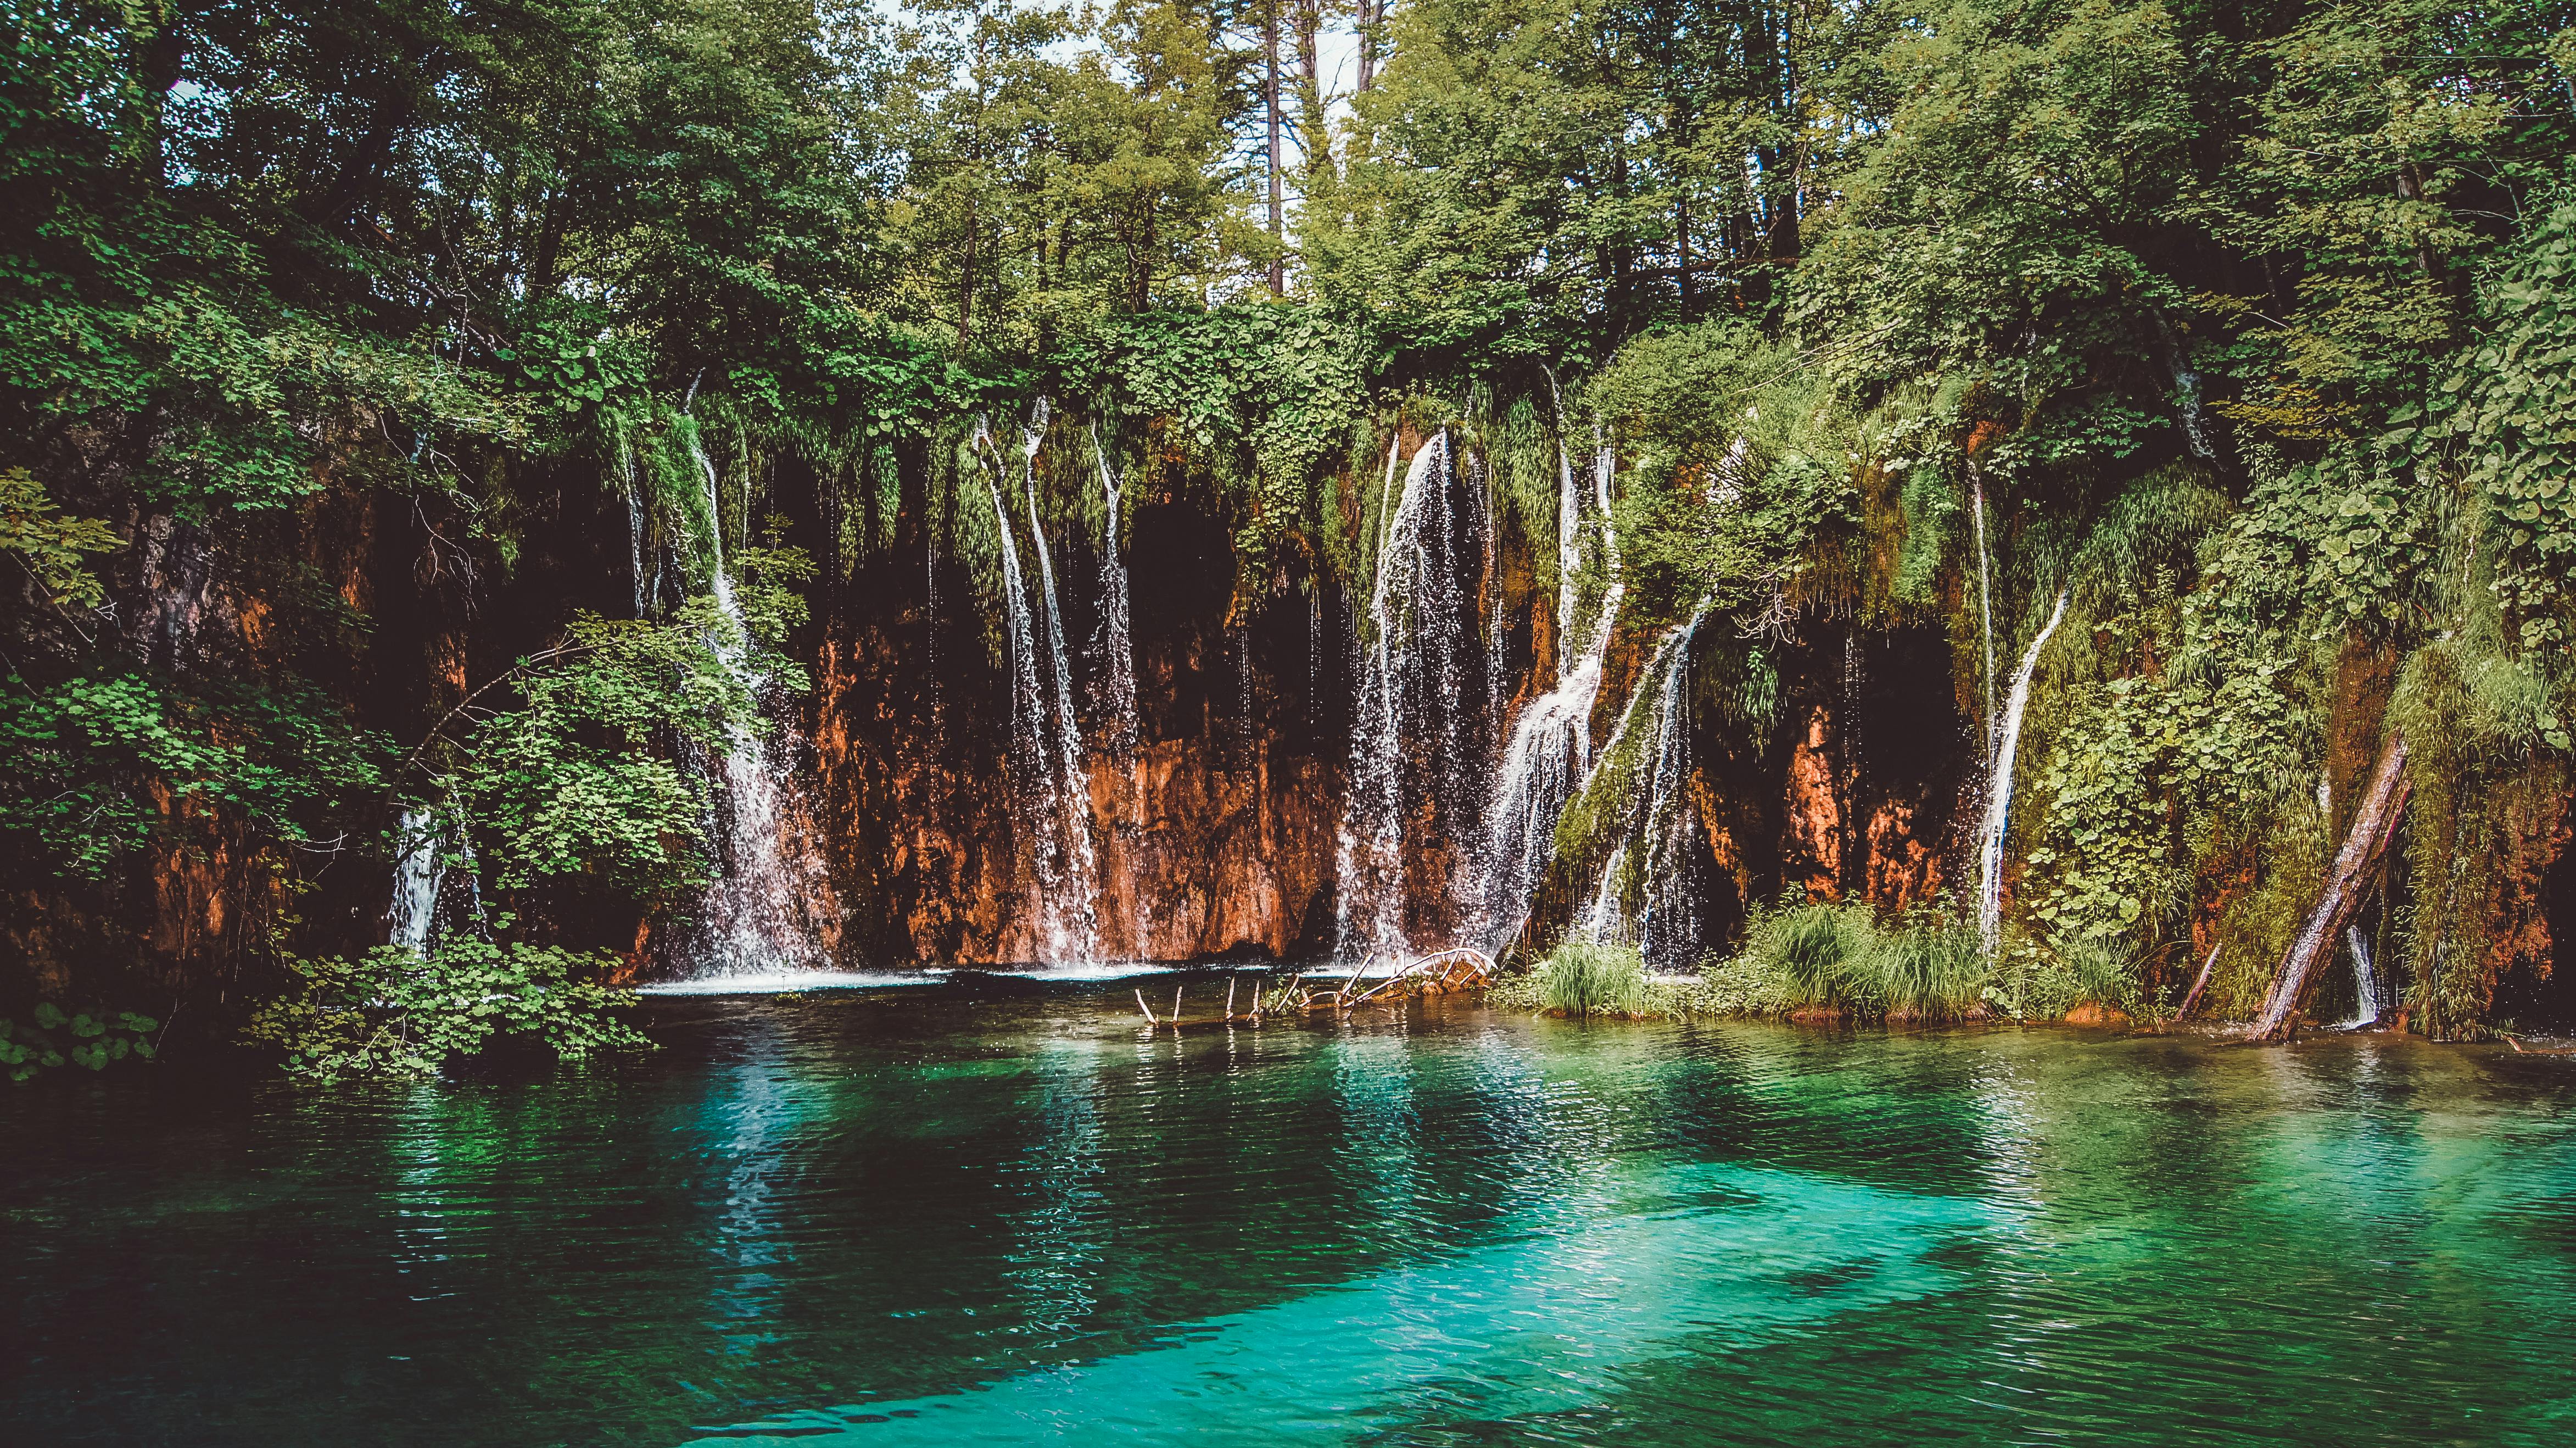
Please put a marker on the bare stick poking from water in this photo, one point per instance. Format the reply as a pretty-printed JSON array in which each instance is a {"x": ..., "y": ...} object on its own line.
[
  {"x": 1148, "y": 1010},
  {"x": 2192, "y": 997}
]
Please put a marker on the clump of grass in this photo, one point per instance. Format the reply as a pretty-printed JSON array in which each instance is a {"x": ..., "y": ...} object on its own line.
[
  {"x": 1927, "y": 967},
  {"x": 1922, "y": 966},
  {"x": 1582, "y": 979},
  {"x": 1837, "y": 956},
  {"x": 1811, "y": 953}
]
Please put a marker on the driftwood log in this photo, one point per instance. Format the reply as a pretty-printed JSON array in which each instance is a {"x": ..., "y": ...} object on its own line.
[
  {"x": 2382, "y": 805},
  {"x": 1439, "y": 973}
]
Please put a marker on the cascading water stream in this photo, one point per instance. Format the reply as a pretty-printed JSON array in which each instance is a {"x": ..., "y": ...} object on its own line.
[
  {"x": 1985, "y": 602},
  {"x": 2365, "y": 981},
  {"x": 1551, "y": 741},
  {"x": 1661, "y": 823},
  {"x": 1603, "y": 923},
  {"x": 419, "y": 867},
  {"x": 1665, "y": 932},
  {"x": 1075, "y": 918},
  {"x": 1117, "y": 646},
  {"x": 1031, "y": 755},
  {"x": 766, "y": 910},
  {"x": 634, "y": 525},
  {"x": 1999, "y": 786},
  {"x": 1412, "y": 707}
]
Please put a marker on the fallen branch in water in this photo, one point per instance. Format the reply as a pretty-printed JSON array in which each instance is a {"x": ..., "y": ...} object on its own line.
[
  {"x": 2382, "y": 806},
  {"x": 2543, "y": 1051},
  {"x": 2193, "y": 997}
]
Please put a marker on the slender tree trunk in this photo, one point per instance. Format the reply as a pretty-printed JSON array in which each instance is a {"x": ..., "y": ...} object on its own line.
[
  {"x": 966, "y": 276},
  {"x": 1681, "y": 233},
  {"x": 1270, "y": 103},
  {"x": 1314, "y": 129},
  {"x": 1371, "y": 13},
  {"x": 163, "y": 61},
  {"x": 2382, "y": 805}
]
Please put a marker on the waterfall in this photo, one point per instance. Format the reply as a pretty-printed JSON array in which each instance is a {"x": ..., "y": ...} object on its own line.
[
  {"x": 2364, "y": 979},
  {"x": 1985, "y": 602},
  {"x": 1117, "y": 647},
  {"x": 1314, "y": 652},
  {"x": 766, "y": 910},
  {"x": 1031, "y": 764},
  {"x": 1411, "y": 722},
  {"x": 1073, "y": 927},
  {"x": 1551, "y": 741},
  {"x": 1243, "y": 690},
  {"x": 1045, "y": 743},
  {"x": 1999, "y": 785},
  {"x": 1668, "y": 931},
  {"x": 1569, "y": 542},
  {"x": 1667, "y": 825},
  {"x": 634, "y": 525},
  {"x": 419, "y": 866},
  {"x": 1604, "y": 922}
]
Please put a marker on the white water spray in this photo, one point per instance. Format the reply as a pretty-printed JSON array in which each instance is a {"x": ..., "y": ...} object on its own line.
[
  {"x": 1999, "y": 785},
  {"x": 1605, "y": 923},
  {"x": 2365, "y": 981},
  {"x": 419, "y": 866},
  {"x": 1075, "y": 917},
  {"x": 1551, "y": 742},
  {"x": 1413, "y": 708},
  {"x": 1667, "y": 932},
  {"x": 1117, "y": 646},
  {"x": 634, "y": 525},
  {"x": 766, "y": 910}
]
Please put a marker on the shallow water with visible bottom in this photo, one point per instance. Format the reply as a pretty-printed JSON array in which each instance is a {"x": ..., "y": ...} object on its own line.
[{"x": 998, "y": 1212}]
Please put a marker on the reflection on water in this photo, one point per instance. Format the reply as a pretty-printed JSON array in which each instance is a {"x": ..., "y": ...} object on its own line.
[
  {"x": 1542, "y": 1323},
  {"x": 995, "y": 1211}
]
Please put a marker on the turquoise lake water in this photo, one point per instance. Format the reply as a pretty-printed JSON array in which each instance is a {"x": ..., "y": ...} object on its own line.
[{"x": 997, "y": 1212}]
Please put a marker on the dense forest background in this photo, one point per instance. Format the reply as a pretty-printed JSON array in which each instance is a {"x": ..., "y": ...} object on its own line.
[{"x": 2239, "y": 334}]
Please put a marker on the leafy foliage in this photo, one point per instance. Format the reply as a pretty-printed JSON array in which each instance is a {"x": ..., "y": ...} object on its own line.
[
  {"x": 576, "y": 780},
  {"x": 106, "y": 762},
  {"x": 392, "y": 1012},
  {"x": 52, "y": 548},
  {"x": 53, "y": 1037}
]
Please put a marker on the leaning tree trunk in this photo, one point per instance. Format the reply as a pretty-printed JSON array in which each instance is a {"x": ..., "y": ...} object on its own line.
[{"x": 2372, "y": 828}]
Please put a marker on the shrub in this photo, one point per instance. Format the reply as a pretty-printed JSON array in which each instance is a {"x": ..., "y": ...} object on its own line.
[{"x": 392, "y": 1012}]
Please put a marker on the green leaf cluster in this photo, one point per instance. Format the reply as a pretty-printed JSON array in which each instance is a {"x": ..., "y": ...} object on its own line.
[
  {"x": 52, "y": 1038},
  {"x": 392, "y": 1012}
]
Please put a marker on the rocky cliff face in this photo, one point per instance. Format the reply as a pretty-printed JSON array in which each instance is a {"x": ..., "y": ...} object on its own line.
[{"x": 1229, "y": 828}]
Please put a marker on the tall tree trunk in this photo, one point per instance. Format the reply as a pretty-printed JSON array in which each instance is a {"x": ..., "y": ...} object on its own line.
[
  {"x": 1270, "y": 103},
  {"x": 966, "y": 276},
  {"x": 1371, "y": 14},
  {"x": 1314, "y": 129},
  {"x": 1681, "y": 234},
  {"x": 163, "y": 61},
  {"x": 2382, "y": 805}
]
